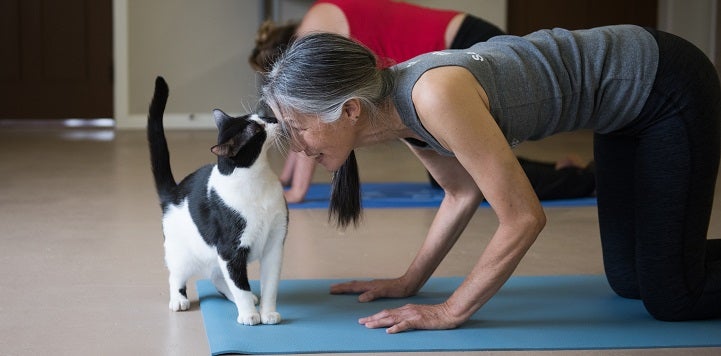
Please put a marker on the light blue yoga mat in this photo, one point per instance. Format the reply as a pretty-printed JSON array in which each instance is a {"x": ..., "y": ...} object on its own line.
[
  {"x": 405, "y": 195},
  {"x": 528, "y": 313}
]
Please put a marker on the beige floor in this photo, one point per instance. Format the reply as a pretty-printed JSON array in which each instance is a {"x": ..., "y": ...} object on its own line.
[{"x": 81, "y": 269}]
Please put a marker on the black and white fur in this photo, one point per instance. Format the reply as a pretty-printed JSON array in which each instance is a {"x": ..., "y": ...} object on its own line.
[{"x": 223, "y": 216}]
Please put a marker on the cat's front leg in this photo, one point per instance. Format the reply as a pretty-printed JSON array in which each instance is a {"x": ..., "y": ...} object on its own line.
[
  {"x": 236, "y": 278},
  {"x": 247, "y": 313},
  {"x": 270, "y": 267},
  {"x": 222, "y": 287}
]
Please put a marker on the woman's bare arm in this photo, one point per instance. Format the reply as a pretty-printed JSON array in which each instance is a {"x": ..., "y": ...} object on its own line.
[
  {"x": 324, "y": 18},
  {"x": 460, "y": 202},
  {"x": 454, "y": 108}
]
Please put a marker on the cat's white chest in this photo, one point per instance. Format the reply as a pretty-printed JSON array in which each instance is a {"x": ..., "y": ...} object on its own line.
[
  {"x": 248, "y": 189},
  {"x": 258, "y": 196}
]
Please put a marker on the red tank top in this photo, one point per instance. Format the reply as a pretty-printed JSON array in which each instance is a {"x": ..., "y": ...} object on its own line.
[{"x": 395, "y": 31}]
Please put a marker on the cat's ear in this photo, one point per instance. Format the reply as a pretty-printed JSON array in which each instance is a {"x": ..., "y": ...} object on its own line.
[
  {"x": 231, "y": 147},
  {"x": 220, "y": 117},
  {"x": 223, "y": 149}
]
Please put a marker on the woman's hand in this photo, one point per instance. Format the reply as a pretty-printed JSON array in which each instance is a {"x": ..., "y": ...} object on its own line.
[
  {"x": 413, "y": 316},
  {"x": 293, "y": 196},
  {"x": 372, "y": 290},
  {"x": 408, "y": 317}
]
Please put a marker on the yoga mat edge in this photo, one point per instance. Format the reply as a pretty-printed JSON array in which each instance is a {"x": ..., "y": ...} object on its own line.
[{"x": 529, "y": 313}]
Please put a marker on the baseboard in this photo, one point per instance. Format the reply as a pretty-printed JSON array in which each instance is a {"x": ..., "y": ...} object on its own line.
[{"x": 170, "y": 122}]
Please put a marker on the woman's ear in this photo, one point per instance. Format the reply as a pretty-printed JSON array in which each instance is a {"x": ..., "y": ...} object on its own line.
[{"x": 352, "y": 109}]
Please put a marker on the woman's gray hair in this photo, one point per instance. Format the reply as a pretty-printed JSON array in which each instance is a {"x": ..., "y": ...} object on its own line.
[
  {"x": 320, "y": 72},
  {"x": 317, "y": 75}
]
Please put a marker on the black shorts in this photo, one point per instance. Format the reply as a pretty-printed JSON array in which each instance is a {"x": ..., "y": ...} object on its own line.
[{"x": 474, "y": 30}]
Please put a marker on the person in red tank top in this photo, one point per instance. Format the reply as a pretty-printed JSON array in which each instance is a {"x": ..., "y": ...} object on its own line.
[
  {"x": 399, "y": 30},
  {"x": 396, "y": 31}
]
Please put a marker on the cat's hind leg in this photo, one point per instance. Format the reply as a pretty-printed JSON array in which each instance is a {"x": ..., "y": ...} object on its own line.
[
  {"x": 180, "y": 271},
  {"x": 178, "y": 292},
  {"x": 178, "y": 257},
  {"x": 219, "y": 283}
]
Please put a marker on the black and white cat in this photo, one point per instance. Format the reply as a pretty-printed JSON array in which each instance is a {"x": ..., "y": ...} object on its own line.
[{"x": 225, "y": 215}]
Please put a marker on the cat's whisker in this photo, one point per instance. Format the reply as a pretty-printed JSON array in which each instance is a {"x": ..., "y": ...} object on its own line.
[
  {"x": 282, "y": 140},
  {"x": 280, "y": 144},
  {"x": 246, "y": 107}
]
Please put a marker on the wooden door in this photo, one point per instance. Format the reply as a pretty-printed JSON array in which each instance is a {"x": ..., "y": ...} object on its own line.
[
  {"x": 56, "y": 59},
  {"x": 718, "y": 39},
  {"x": 526, "y": 16}
]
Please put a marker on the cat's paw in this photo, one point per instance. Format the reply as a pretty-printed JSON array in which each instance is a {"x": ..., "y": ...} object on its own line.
[
  {"x": 255, "y": 299},
  {"x": 249, "y": 318},
  {"x": 270, "y": 318},
  {"x": 179, "y": 304}
]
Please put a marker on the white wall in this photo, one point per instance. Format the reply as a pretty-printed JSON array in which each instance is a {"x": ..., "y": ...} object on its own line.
[
  {"x": 201, "y": 47},
  {"x": 692, "y": 20}
]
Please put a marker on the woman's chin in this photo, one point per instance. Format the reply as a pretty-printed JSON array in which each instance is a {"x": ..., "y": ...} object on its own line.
[{"x": 329, "y": 165}]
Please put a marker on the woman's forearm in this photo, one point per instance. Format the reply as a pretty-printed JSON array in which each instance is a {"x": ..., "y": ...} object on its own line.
[
  {"x": 451, "y": 219},
  {"x": 497, "y": 263}
]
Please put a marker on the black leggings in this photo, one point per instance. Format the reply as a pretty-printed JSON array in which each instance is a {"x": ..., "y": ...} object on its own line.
[
  {"x": 547, "y": 181},
  {"x": 655, "y": 187}
]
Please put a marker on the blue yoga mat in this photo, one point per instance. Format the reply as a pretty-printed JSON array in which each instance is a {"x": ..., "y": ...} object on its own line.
[
  {"x": 528, "y": 313},
  {"x": 405, "y": 195}
]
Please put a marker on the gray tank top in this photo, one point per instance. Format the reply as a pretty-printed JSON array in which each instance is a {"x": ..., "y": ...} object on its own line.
[{"x": 547, "y": 82}]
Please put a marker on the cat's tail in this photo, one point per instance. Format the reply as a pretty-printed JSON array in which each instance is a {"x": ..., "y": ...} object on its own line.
[{"x": 159, "y": 156}]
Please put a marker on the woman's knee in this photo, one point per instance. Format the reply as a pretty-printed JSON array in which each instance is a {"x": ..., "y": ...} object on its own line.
[
  {"x": 623, "y": 284},
  {"x": 667, "y": 303},
  {"x": 668, "y": 310}
]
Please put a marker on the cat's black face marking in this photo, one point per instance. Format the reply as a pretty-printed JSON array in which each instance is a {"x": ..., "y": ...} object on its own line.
[{"x": 240, "y": 141}]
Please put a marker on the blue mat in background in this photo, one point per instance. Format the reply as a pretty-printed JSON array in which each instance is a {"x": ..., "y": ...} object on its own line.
[
  {"x": 405, "y": 195},
  {"x": 528, "y": 313}
]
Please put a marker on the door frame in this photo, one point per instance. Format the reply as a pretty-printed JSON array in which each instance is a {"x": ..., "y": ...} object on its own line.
[{"x": 120, "y": 59}]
